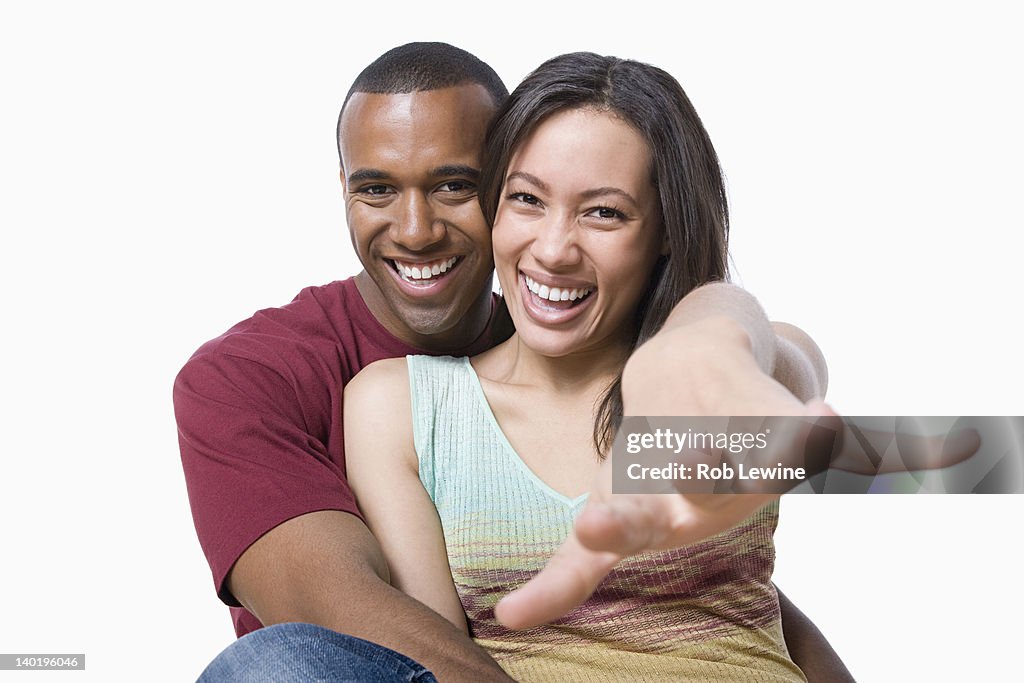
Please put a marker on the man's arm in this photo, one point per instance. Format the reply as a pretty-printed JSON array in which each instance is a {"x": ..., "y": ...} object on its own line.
[
  {"x": 270, "y": 505},
  {"x": 809, "y": 648},
  {"x": 326, "y": 568}
]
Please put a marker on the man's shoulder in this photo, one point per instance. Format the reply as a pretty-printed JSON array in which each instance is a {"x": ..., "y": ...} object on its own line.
[
  {"x": 317, "y": 314},
  {"x": 299, "y": 339}
]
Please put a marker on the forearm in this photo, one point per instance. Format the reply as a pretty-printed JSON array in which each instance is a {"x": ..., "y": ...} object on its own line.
[
  {"x": 325, "y": 568},
  {"x": 720, "y": 305},
  {"x": 732, "y": 326},
  {"x": 375, "y": 611},
  {"x": 808, "y": 647}
]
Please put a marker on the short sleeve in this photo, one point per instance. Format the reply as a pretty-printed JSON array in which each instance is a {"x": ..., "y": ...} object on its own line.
[{"x": 259, "y": 427}]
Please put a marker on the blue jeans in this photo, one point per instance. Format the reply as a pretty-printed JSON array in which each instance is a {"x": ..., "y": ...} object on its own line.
[{"x": 294, "y": 653}]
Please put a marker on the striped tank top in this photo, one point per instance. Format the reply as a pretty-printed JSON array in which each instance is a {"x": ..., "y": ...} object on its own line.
[{"x": 705, "y": 612}]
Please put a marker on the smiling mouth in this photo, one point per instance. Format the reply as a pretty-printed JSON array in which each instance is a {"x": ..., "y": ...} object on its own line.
[
  {"x": 424, "y": 274},
  {"x": 556, "y": 298}
]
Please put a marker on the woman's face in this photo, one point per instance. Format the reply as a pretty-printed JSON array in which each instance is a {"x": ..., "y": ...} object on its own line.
[{"x": 577, "y": 232}]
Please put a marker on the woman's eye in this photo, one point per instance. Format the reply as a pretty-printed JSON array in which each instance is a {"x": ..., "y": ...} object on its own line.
[
  {"x": 606, "y": 212},
  {"x": 525, "y": 198}
]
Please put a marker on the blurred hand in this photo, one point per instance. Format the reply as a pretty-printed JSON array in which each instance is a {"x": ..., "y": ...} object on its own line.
[{"x": 687, "y": 375}]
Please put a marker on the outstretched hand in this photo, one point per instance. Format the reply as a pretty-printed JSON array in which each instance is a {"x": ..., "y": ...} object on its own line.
[{"x": 705, "y": 382}]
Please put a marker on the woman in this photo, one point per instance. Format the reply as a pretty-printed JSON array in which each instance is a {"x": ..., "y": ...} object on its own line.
[{"x": 608, "y": 207}]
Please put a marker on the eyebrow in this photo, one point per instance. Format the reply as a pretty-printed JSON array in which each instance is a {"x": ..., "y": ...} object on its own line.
[
  {"x": 530, "y": 178},
  {"x": 456, "y": 170},
  {"x": 586, "y": 194},
  {"x": 367, "y": 174},
  {"x": 446, "y": 171},
  {"x": 600, "y": 191}
]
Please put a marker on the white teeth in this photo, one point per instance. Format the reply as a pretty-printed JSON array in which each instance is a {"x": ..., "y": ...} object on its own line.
[
  {"x": 556, "y": 293},
  {"x": 424, "y": 271}
]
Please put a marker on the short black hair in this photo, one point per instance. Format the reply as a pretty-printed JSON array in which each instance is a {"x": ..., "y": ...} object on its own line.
[{"x": 423, "y": 66}]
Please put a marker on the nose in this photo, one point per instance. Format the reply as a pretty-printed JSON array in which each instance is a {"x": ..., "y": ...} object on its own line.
[
  {"x": 554, "y": 243},
  {"x": 415, "y": 226}
]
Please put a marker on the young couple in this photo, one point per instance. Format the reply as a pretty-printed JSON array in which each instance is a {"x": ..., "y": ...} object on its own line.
[{"x": 603, "y": 202}]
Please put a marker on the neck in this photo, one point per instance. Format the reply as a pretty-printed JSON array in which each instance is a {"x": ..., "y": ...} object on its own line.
[
  {"x": 582, "y": 374},
  {"x": 464, "y": 332}
]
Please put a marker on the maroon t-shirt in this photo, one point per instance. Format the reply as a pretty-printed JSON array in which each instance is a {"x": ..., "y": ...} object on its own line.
[{"x": 260, "y": 424}]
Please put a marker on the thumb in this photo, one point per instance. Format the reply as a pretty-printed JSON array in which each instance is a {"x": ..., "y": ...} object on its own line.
[{"x": 572, "y": 574}]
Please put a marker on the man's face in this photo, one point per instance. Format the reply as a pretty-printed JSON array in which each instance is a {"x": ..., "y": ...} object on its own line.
[{"x": 410, "y": 166}]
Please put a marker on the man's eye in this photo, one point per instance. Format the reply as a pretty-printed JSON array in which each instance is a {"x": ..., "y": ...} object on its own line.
[
  {"x": 374, "y": 190},
  {"x": 457, "y": 186}
]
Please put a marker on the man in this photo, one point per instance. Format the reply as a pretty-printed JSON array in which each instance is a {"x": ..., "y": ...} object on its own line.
[{"x": 259, "y": 408}]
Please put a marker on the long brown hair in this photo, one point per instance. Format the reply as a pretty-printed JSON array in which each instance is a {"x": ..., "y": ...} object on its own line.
[{"x": 685, "y": 169}]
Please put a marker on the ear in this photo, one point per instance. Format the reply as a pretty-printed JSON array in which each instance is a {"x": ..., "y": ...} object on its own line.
[{"x": 666, "y": 250}]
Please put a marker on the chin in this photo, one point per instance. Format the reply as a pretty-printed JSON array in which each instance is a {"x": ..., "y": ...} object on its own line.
[
  {"x": 550, "y": 344},
  {"x": 431, "y": 322}
]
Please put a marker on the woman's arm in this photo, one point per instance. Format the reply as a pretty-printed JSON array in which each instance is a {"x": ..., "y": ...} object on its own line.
[{"x": 384, "y": 473}]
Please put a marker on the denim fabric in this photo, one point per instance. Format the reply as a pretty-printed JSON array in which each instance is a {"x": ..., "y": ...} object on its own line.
[{"x": 294, "y": 653}]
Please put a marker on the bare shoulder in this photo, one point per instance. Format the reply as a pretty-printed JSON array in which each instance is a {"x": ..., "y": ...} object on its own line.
[
  {"x": 378, "y": 409},
  {"x": 378, "y": 422},
  {"x": 381, "y": 384}
]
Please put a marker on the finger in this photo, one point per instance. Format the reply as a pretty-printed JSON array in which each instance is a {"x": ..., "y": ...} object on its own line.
[
  {"x": 884, "y": 452},
  {"x": 798, "y": 448},
  {"x": 569, "y": 578},
  {"x": 931, "y": 452}
]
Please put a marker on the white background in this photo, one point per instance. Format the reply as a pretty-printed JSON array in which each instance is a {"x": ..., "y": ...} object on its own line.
[{"x": 167, "y": 170}]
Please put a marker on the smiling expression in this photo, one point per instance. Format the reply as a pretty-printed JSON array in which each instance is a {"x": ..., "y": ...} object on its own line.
[
  {"x": 409, "y": 170},
  {"x": 577, "y": 232}
]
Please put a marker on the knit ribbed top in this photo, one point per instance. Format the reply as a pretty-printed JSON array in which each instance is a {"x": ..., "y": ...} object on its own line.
[{"x": 707, "y": 611}]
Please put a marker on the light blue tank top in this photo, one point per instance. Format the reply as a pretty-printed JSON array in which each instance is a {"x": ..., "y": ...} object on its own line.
[{"x": 707, "y": 611}]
